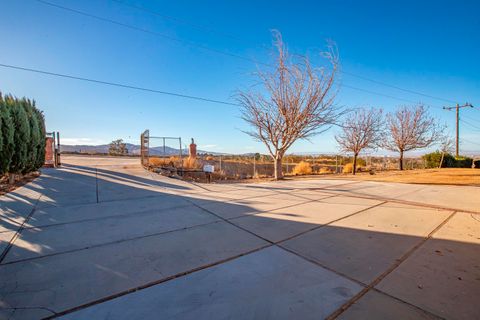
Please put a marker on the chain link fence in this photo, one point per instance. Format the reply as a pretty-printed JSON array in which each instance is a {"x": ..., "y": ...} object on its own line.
[{"x": 252, "y": 166}]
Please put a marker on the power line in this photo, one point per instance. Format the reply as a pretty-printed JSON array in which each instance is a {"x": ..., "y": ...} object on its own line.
[
  {"x": 476, "y": 143},
  {"x": 185, "y": 22},
  {"x": 165, "y": 36},
  {"x": 232, "y": 54},
  {"x": 121, "y": 85},
  {"x": 212, "y": 30},
  {"x": 471, "y": 125}
]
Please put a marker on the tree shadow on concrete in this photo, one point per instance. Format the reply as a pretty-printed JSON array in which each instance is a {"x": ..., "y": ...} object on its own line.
[{"x": 75, "y": 251}]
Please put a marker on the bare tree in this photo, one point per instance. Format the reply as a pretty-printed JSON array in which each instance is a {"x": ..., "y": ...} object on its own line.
[
  {"x": 362, "y": 130},
  {"x": 411, "y": 128},
  {"x": 296, "y": 102},
  {"x": 446, "y": 146}
]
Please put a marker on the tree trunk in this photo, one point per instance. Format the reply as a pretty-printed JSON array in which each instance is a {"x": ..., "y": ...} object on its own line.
[
  {"x": 354, "y": 169},
  {"x": 278, "y": 167},
  {"x": 441, "y": 160},
  {"x": 11, "y": 178},
  {"x": 401, "y": 160}
]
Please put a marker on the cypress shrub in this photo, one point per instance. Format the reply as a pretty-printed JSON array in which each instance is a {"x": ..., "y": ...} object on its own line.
[
  {"x": 34, "y": 140},
  {"x": 22, "y": 135},
  {"x": 6, "y": 137},
  {"x": 41, "y": 146}
]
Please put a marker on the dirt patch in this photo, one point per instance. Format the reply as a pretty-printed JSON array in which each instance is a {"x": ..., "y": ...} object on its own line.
[{"x": 5, "y": 187}]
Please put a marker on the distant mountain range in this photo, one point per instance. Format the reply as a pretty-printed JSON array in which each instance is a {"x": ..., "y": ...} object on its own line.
[{"x": 133, "y": 149}]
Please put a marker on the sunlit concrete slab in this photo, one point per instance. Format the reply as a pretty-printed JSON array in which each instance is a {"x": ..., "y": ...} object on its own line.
[
  {"x": 443, "y": 276},
  {"x": 377, "y": 306},
  {"x": 365, "y": 245},
  {"x": 67, "y": 280},
  {"x": 41, "y": 241},
  {"x": 309, "y": 194},
  {"x": 283, "y": 223},
  {"x": 236, "y": 208},
  {"x": 268, "y": 284},
  {"x": 67, "y": 214},
  {"x": 354, "y": 201},
  {"x": 250, "y": 193},
  {"x": 447, "y": 196},
  {"x": 376, "y": 189}
]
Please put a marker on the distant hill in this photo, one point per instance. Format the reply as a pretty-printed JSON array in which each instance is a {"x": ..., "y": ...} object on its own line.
[{"x": 133, "y": 149}]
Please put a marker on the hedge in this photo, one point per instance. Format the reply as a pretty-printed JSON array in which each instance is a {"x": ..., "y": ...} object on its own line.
[{"x": 22, "y": 135}]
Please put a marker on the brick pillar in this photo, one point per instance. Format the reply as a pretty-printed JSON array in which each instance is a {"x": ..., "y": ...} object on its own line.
[
  {"x": 192, "y": 152},
  {"x": 49, "y": 156}
]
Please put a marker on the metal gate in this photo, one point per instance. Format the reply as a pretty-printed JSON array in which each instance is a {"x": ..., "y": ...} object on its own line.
[
  {"x": 144, "y": 146},
  {"x": 154, "y": 150}
]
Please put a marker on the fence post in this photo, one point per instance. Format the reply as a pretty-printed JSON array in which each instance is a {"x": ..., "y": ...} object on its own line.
[{"x": 254, "y": 166}]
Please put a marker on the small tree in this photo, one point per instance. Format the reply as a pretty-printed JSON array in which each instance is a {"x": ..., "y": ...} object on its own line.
[
  {"x": 296, "y": 103},
  {"x": 117, "y": 148},
  {"x": 411, "y": 128},
  {"x": 362, "y": 130},
  {"x": 446, "y": 147}
]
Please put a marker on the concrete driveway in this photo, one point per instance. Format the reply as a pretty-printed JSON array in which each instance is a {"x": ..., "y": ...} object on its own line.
[{"x": 101, "y": 238}]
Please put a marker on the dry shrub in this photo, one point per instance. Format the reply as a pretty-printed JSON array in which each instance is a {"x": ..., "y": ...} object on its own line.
[
  {"x": 302, "y": 168},
  {"x": 209, "y": 158},
  {"x": 156, "y": 162},
  {"x": 163, "y": 162},
  {"x": 190, "y": 163},
  {"x": 348, "y": 168},
  {"x": 325, "y": 170}
]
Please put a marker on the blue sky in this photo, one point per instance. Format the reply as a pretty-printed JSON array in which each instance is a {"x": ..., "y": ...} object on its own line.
[{"x": 427, "y": 46}]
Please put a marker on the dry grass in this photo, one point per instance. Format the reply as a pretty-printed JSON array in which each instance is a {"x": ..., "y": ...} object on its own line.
[
  {"x": 190, "y": 163},
  {"x": 455, "y": 176},
  {"x": 302, "y": 168},
  {"x": 162, "y": 162},
  {"x": 325, "y": 170}
]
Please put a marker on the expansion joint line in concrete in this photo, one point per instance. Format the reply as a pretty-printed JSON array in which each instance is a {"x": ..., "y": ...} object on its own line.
[
  {"x": 153, "y": 283},
  {"x": 20, "y": 229},
  {"x": 96, "y": 183},
  {"x": 397, "y": 263},
  {"x": 109, "y": 243},
  {"x": 150, "y": 284},
  {"x": 45, "y": 226}
]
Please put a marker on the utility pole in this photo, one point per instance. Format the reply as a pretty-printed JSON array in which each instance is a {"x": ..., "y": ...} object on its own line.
[{"x": 457, "y": 127}]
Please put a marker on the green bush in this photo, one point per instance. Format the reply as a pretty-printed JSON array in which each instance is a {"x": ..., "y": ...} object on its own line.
[
  {"x": 433, "y": 159},
  {"x": 22, "y": 131},
  {"x": 477, "y": 164},
  {"x": 463, "y": 162}
]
